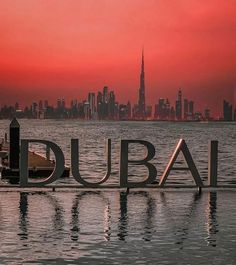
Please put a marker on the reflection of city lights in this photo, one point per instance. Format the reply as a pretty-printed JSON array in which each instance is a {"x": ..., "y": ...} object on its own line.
[
  {"x": 211, "y": 223},
  {"x": 107, "y": 227}
]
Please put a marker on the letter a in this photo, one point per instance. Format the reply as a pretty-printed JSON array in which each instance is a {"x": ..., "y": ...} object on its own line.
[{"x": 182, "y": 146}]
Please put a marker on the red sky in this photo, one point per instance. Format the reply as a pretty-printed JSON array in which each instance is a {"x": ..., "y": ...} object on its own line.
[{"x": 65, "y": 48}]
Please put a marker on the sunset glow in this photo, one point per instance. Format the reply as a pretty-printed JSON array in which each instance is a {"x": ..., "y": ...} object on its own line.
[{"x": 57, "y": 48}]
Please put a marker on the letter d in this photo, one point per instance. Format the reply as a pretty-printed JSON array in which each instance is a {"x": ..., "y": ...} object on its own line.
[{"x": 58, "y": 169}]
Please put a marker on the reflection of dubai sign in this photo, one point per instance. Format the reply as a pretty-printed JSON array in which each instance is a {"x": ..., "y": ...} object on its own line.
[{"x": 124, "y": 163}]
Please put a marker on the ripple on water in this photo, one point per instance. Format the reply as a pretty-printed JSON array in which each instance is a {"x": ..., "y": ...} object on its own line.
[
  {"x": 111, "y": 227},
  {"x": 115, "y": 227}
]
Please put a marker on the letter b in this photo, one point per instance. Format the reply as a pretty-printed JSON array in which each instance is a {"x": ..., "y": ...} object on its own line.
[{"x": 124, "y": 162}]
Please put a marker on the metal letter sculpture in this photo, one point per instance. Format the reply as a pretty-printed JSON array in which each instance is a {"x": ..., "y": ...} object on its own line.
[
  {"x": 124, "y": 161},
  {"x": 75, "y": 164},
  {"x": 182, "y": 146},
  {"x": 212, "y": 163},
  {"x": 59, "y": 163}
]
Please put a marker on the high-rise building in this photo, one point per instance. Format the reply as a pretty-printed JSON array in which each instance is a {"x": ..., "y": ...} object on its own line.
[
  {"x": 111, "y": 105},
  {"x": 86, "y": 110},
  {"x": 34, "y": 110},
  {"x": 172, "y": 113},
  {"x": 178, "y": 106},
  {"x": 207, "y": 115},
  {"x": 58, "y": 103},
  {"x": 73, "y": 113},
  {"x": 148, "y": 112},
  {"x": 125, "y": 111},
  {"x": 61, "y": 108},
  {"x": 186, "y": 109},
  {"x": 129, "y": 110},
  {"x": 73, "y": 103},
  {"x": 227, "y": 111},
  {"x": 100, "y": 105},
  {"x": 91, "y": 101},
  {"x": 162, "y": 109},
  {"x": 191, "y": 109},
  {"x": 135, "y": 111},
  {"x": 105, "y": 102},
  {"x": 105, "y": 94},
  {"x": 40, "y": 105},
  {"x": 141, "y": 99},
  {"x": 17, "y": 106},
  {"x": 63, "y": 103},
  {"x": 116, "y": 110}
]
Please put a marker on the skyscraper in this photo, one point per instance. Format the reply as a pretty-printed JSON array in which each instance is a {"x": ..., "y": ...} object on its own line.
[
  {"x": 178, "y": 106},
  {"x": 105, "y": 102},
  {"x": 141, "y": 100},
  {"x": 227, "y": 111},
  {"x": 191, "y": 109},
  {"x": 162, "y": 109},
  {"x": 91, "y": 101},
  {"x": 105, "y": 94},
  {"x": 186, "y": 109},
  {"x": 100, "y": 105},
  {"x": 111, "y": 105}
]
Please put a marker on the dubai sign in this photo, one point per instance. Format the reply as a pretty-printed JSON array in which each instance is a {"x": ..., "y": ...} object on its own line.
[
  {"x": 19, "y": 156},
  {"x": 124, "y": 164}
]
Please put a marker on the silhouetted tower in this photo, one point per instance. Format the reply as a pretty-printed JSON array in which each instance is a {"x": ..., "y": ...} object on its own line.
[
  {"x": 63, "y": 103},
  {"x": 186, "y": 109},
  {"x": 91, "y": 101},
  {"x": 191, "y": 109},
  {"x": 111, "y": 105},
  {"x": 129, "y": 110},
  {"x": 100, "y": 105},
  {"x": 227, "y": 111},
  {"x": 178, "y": 106},
  {"x": 105, "y": 94},
  {"x": 141, "y": 100},
  {"x": 105, "y": 102},
  {"x": 17, "y": 106}
]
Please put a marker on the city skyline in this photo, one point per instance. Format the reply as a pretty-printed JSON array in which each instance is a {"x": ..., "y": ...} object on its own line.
[
  {"x": 104, "y": 106},
  {"x": 56, "y": 49},
  {"x": 117, "y": 131},
  {"x": 182, "y": 109}
]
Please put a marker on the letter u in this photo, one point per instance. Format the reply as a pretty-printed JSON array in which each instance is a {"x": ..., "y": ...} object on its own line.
[{"x": 75, "y": 164}]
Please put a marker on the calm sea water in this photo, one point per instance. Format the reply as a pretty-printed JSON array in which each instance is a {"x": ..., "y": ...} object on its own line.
[
  {"x": 112, "y": 227},
  {"x": 115, "y": 228}
]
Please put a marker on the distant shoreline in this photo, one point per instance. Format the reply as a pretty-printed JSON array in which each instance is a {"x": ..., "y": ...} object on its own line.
[{"x": 129, "y": 120}]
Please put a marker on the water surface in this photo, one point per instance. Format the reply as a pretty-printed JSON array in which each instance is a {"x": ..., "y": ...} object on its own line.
[{"x": 113, "y": 227}]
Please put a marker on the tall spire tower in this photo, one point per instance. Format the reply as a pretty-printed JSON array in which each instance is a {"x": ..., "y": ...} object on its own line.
[{"x": 141, "y": 100}]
